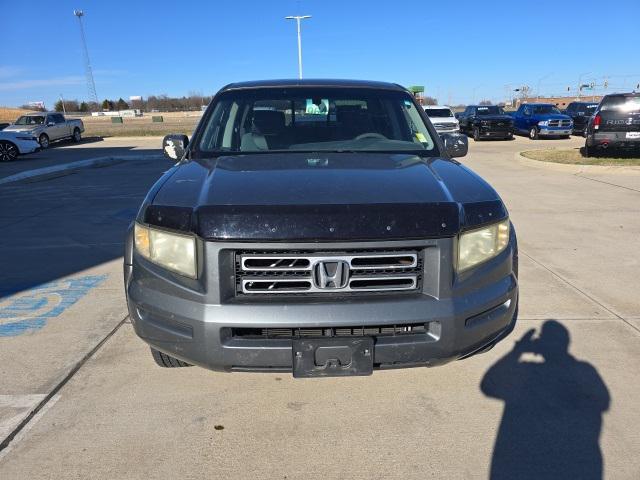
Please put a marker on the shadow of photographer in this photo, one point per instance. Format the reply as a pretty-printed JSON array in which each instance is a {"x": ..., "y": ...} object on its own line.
[{"x": 553, "y": 410}]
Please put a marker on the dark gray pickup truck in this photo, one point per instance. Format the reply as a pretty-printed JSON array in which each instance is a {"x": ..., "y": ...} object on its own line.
[{"x": 319, "y": 227}]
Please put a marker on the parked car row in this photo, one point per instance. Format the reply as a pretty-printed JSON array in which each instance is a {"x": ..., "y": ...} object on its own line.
[{"x": 35, "y": 131}]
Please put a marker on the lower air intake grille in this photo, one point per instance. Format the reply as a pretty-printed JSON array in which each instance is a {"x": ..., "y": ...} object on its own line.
[{"x": 359, "y": 331}]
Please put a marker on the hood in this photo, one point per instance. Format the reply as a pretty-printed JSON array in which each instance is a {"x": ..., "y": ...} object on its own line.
[
  {"x": 21, "y": 128},
  {"x": 329, "y": 196},
  {"x": 551, "y": 116},
  {"x": 443, "y": 119},
  {"x": 495, "y": 118}
]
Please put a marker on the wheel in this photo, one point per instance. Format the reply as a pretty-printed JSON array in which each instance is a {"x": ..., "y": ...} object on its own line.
[
  {"x": 167, "y": 361},
  {"x": 43, "y": 140},
  {"x": 8, "y": 151},
  {"x": 533, "y": 133},
  {"x": 476, "y": 134},
  {"x": 77, "y": 136}
]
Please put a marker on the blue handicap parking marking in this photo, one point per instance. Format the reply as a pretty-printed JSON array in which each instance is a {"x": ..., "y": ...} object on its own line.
[{"x": 31, "y": 310}]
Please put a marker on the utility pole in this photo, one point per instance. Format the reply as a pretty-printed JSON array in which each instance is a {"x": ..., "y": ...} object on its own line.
[
  {"x": 298, "y": 18},
  {"x": 91, "y": 85},
  {"x": 64, "y": 110}
]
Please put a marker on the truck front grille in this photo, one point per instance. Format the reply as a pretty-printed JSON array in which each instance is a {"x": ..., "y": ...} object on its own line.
[
  {"x": 560, "y": 123},
  {"x": 349, "y": 272},
  {"x": 347, "y": 331},
  {"x": 443, "y": 126}
]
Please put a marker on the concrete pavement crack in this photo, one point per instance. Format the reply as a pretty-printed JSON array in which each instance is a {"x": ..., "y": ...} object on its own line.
[
  {"x": 560, "y": 277},
  {"x": 606, "y": 183},
  {"x": 7, "y": 441}
]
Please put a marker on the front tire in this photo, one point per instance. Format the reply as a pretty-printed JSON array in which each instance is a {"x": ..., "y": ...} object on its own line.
[
  {"x": 533, "y": 133},
  {"x": 166, "y": 361},
  {"x": 8, "y": 151},
  {"x": 77, "y": 135},
  {"x": 43, "y": 140},
  {"x": 476, "y": 134}
]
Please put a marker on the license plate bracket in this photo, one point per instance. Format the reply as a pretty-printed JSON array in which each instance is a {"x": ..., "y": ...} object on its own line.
[{"x": 332, "y": 357}]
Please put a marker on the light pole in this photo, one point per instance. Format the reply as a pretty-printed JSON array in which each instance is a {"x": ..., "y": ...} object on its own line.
[
  {"x": 539, "y": 82},
  {"x": 64, "y": 110},
  {"x": 580, "y": 82},
  {"x": 297, "y": 18}
]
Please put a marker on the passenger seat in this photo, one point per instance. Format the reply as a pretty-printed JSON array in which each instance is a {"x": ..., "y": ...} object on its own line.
[{"x": 268, "y": 132}]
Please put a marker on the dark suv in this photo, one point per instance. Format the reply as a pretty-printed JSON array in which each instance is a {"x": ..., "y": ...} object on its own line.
[
  {"x": 580, "y": 113},
  {"x": 615, "y": 124},
  {"x": 320, "y": 227},
  {"x": 486, "y": 121}
]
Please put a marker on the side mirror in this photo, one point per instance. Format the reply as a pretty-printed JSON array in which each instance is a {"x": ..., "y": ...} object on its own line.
[
  {"x": 174, "y": 146},
  {"x": 455, "y": 144}
]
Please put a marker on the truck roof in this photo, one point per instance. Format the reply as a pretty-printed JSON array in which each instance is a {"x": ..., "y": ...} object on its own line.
[
  {"x": 33, "y": 114},
  {"x": 428, "y": 107},
  {"x": 314, "y": 83}
]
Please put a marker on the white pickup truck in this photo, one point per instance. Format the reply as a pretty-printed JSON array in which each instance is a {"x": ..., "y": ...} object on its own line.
[{"x": 47, "y": 127}]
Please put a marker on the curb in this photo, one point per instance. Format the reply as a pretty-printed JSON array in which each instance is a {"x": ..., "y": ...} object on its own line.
[
  {"x": 64, "y": 169},
  {"x": 577, "y": 168}
]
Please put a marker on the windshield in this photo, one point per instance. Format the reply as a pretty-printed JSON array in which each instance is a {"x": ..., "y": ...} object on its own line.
[
  {"x": 30, "y": 120},
  {"x": 490, "y": 110},
  {"x": 438, "y": 112},
  {"x": 545, "y": 109},
  {"x": 315, "y": 120}
]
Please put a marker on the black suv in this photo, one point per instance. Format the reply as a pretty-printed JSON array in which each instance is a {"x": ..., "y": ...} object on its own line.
[
  {"x": 615, "y": 124},
  {"x": 486, "y": 121},
  {"x": 580, "y": 112}
]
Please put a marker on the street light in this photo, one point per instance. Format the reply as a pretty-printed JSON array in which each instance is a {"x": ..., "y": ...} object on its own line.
[
  {"x": 539, "y": 83},
  {"x": 297, "y": 18},
  {"x": 580, "y": 82}
]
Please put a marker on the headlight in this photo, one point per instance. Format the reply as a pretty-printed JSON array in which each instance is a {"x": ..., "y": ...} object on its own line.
[
  {"x": 477, "y": 246},
  {"x": 543, "y": 123},
  {"x": 172, "y": 251}
]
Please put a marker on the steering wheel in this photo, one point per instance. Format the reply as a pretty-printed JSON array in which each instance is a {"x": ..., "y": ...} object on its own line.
[{"x": 362, "y": 136}]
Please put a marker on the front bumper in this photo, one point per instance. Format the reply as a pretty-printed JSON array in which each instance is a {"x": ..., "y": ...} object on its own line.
[
  {"x": 462, "y": 314},
  {"x": 488, "y": 132},
  {"x": 27, "y": 146},
  {"x": 554, "y": 132}
]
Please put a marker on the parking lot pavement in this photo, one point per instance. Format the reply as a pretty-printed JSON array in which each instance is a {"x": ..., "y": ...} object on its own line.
[
  {"x": 563, "y": 405},
  {"x": 90, "y": 147}
]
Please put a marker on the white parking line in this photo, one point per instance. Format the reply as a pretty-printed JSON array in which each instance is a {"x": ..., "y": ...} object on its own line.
[{"x": 14, "y": 409}]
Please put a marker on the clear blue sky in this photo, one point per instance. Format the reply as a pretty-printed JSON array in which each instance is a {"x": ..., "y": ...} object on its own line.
[{"x": 461, "y": 51}]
